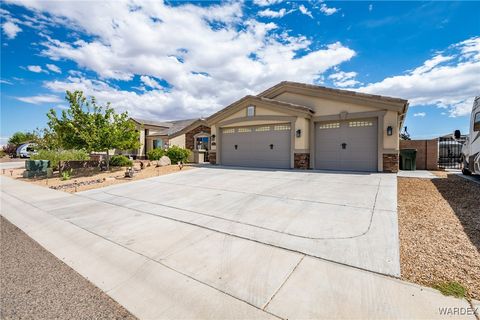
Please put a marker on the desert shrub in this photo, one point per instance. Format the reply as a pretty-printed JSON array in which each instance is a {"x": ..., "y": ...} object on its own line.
[
  {"x": 120, "y": 161},
  {"x": 10, "y": 149},
  {"x": 66, "y": 175},
  {"x": 155, "y": 154},
  {"x": 177, "y": 154},
  {"x": 55, "y": 156}
]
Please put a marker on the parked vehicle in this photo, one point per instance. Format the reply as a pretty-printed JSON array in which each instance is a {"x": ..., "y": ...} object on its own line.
[
  {"x": 470, "y": 157},
  {"x": 26, "y": 150}
]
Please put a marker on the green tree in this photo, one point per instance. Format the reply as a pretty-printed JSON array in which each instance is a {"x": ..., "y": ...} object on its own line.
[
  {"x": 91, "y": 127},
  {"x": 22, "y": 137}
]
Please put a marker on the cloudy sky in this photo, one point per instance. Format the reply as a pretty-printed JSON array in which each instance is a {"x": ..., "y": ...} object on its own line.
[{"x": 173, "y": 60}]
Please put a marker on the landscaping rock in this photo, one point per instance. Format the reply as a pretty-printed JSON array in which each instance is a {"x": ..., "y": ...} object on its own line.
[{"x": 164, "y": 161}]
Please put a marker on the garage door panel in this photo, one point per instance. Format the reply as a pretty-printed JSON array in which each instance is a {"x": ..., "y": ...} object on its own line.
[
  {"x": 260, "y": 146},
  {"x": 346, "y": 145}
]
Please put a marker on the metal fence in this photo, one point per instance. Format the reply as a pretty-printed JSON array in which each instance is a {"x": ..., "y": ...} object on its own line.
[{"x": 449, "y": 152}]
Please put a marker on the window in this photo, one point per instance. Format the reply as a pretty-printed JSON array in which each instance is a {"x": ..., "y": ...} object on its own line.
[
  {"x": 243, "y": 130},
  {"x": 260, "y": 129},
  {"x": 281, "y": 127},
  {"x": 476, "y": 122},
  {"x": 201, "y": 143},
  {"x": 360, "y": 124},
  {"x": 226, "y": 131},
  {"x": 250, "y": 111},
  {"x": 332, "y": 125},
  {"x": 157, "y": 144}
]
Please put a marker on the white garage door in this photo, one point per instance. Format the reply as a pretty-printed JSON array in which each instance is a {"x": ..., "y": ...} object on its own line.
[
  {"x": 266, "y": 146},
  {"x": 346, "y": 145}
]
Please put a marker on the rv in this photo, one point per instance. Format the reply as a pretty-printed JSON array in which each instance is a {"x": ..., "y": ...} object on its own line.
[
  {"x": 470, "y": 156},
  {"x": 26, "y": 150}
]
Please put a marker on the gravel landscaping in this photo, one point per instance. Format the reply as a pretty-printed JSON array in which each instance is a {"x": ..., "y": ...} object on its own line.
[
  {"x": 37, "y": 285},
  {"x": 96, "y": 180},
  {"x": 439, "y": 222}
]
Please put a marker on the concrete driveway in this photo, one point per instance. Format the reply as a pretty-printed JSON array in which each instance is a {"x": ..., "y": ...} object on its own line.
[
  {"x": 163, "y": 248},
  {"x": 348, "y": 218}
]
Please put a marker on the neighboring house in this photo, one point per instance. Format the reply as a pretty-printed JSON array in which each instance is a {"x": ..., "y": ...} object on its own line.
[
  {"x": 192, "y": 134},
  {"x": 295, "y": 125}
]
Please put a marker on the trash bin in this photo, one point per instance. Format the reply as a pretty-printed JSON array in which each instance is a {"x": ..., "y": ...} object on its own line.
[{"x": 408, "y": 158}]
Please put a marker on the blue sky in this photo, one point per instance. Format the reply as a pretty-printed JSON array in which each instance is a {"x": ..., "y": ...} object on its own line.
[{"x": 178, "y": 60}]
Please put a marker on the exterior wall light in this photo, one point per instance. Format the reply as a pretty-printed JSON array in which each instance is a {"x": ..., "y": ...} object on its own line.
[
  {"x": 389, "y": 130},
  {"x": 213, "y": 137},
  {"x": 298, "y": 133}
]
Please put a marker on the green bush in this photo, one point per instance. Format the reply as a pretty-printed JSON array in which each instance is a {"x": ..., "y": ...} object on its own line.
[
  {"x": 177, "y": 154},
  {"x": 120, "y": 161},
  {"x": 66, "y": 175},
  {"x": 55, "y": 156},
  {"x": 155, "y": 154}
]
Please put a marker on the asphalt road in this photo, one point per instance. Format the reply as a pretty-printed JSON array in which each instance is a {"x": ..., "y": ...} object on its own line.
[{"x": 37, "y": 285}]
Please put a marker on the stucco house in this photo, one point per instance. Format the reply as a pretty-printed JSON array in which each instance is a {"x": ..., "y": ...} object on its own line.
[
  {"x": 192, "y": 134},
  {"x": 295, "y": 125}
]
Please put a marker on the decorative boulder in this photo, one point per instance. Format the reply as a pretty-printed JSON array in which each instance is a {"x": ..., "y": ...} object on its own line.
[{"x": 164, "y": 161}]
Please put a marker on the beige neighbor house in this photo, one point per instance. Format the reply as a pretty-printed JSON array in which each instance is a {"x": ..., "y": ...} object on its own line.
[
  {"x": 295, "y": 125},
  {"x": 192, "y": 134}
]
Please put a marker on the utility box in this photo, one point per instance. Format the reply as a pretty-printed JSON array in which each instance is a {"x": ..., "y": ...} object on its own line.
[
  {"x": 408, "y": 159},
  {"x": 37, "y": 168}
]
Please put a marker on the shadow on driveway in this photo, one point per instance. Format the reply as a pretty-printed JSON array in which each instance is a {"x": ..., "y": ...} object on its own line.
[{"x": 463, "y": 196}]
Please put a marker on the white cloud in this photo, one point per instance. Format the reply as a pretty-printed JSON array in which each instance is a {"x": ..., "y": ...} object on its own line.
[
  {"x": 150, "y": 82},
  {"x": 305, "y": 11},
  {"x": 209, "y": 55},
  {"x": 53, "y": 68},
  {"x": 36, "y": 69},
  {"x": 5, "y": 82},
  {"x": 450, "y": 79},
  {"x": 264, "y": 3},
  {"x": 328, "y": 11},
  {"x": 420, "y": 114},
  {"x": 344, "y": 79},
  {"x": 272, "y": 14},
  {"x": 11, "y": 29},
  {"x": 47, "y": 98}
]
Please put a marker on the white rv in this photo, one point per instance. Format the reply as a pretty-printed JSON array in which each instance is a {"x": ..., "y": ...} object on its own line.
[
  {"x": 471, "y": 148},
  {"x": 26, "y": 150}
]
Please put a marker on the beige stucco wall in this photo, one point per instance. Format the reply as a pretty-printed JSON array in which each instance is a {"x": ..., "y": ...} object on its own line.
[
  {"x": 302, "y": 142},
  {"x": 323, "y": 106},
  {"x": 178, "y": 141},
  {"x": 391, "y": 142}
]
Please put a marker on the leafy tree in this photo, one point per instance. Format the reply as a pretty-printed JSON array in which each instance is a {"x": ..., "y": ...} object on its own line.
[
  {"x": 91, "y": 127},
  {"x": 22, "y": 137}
]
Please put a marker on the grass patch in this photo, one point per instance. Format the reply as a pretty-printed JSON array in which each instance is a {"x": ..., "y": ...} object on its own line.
[{"x": 451, "y": 288}]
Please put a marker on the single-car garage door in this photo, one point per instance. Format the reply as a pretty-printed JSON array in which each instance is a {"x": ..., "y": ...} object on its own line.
[
  {"x": 266, "y": 146},
  {"x": 346, "y": 145}
]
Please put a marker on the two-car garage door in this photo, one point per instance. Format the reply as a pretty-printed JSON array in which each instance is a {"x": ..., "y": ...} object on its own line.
[
  {"x": 346, "y": 145},
  {"x": 339, "y": 145},
  {"x": 266, "y": 146}
]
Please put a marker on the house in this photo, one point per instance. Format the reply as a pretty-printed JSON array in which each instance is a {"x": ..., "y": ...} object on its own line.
[
  {"x": 192, "y": 134},
  {"x": 295, "y": 125}
]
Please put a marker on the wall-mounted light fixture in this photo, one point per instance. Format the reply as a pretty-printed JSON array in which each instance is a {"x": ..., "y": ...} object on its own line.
[
  {"x": 389, "y": 130},
  {"x": 213, "y": 137},
  {"x": 298, "y": 133}
]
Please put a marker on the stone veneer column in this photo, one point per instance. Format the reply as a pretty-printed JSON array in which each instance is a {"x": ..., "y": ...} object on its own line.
[
  {"x": 390, "y": 162},
  {"x": 301, "y": 161},
  {"x": 212, "y": 157}
]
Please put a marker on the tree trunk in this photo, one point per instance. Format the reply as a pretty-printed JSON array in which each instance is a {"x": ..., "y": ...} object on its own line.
[{"x": 108, "y": 160}]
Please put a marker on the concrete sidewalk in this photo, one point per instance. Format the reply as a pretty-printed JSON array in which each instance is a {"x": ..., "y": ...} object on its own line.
[{"x": 160, "y": 268}]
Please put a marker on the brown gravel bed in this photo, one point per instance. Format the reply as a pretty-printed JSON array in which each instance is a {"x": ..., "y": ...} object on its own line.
[
  {"x": 439, "y": 224},
  {"x": 37, "y": 285},
  {"x": 115, "y": 176}
]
